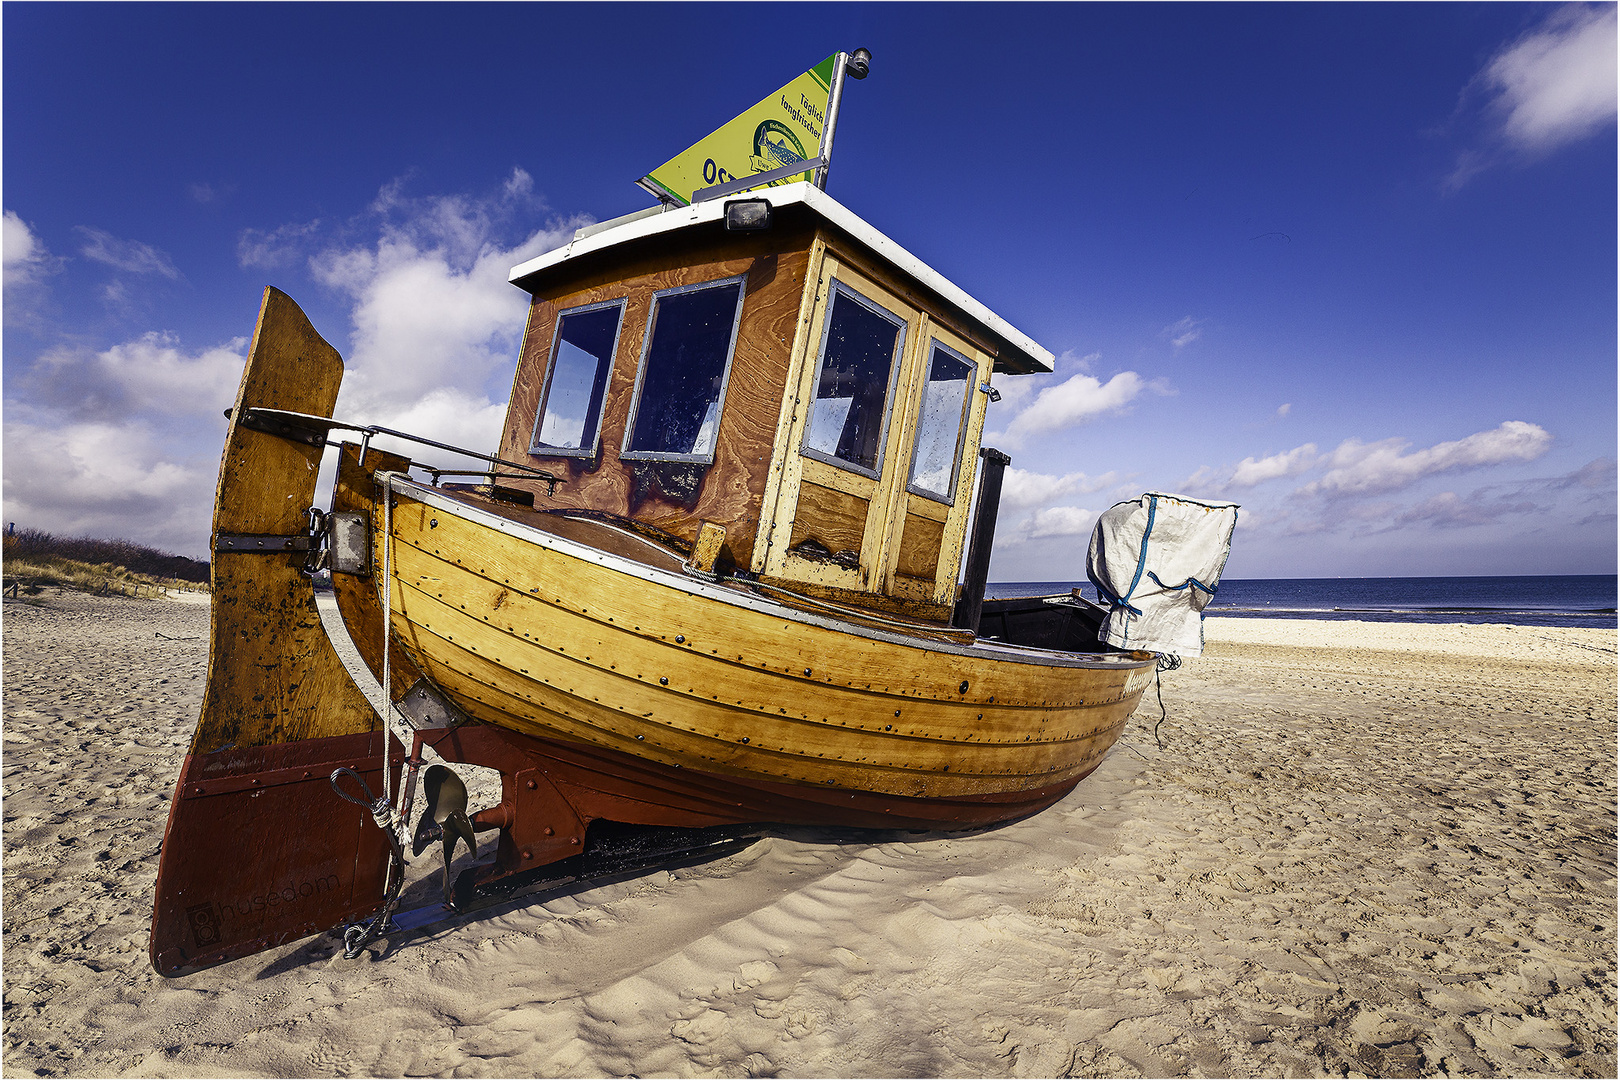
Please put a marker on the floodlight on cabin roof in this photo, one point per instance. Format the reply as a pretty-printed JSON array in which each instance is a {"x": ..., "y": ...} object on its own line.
[{"x": 748, "y": 215}]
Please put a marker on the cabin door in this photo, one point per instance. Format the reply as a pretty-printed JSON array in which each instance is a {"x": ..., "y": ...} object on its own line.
[
  {"x": 944, "y": 419},
  {"x": 856, "y": 508}
]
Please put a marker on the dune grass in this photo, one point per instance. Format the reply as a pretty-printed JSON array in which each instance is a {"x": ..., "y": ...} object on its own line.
[{"x": 35, "y": 559}]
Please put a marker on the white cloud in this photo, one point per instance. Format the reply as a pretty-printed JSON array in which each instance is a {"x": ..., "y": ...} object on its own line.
[
  {"x": 122, "y": 480},
  {"x": 1203, "y": 481},
  {"x": 115, "y": 294},
  {"x": 25, "y": 258},
  {"x": 206, "y": 193},
  {"x": 130, "y": 256},
  {"x": 27, "y": 264},
  {"x": 1351, "y": 515},
  {"x": 1595, "y": 474},
  {"x": 1557, "y": 84},
  {"x": 1020, "y": 487},
  {"x": 1251, "y": 471},
  {"x": 150, "y": 376},
  {"x": 1284, "y": 409},
  {"x": 271, "y": 249},
  {"x": 449, "y": 415},
  {"x": 1358, "y": 468},
  {"x": 436, "y": 325},
  {"x": 1017, "y": 390},
  {"x": 124, "y": 441},
  {"x": 1447, "y": 510},
  {"x": 520, "y": 185},
  {"x": 1077, "y": 399},
  {"x": 1059, "y": 521},
  {"x": 1553, "y": 86},
  {"x": 1183, "y": 331},
  {"x": 121, "y": 443}
]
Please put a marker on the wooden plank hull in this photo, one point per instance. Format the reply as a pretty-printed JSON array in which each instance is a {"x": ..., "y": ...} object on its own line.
[{"x": 548, "y": 637}]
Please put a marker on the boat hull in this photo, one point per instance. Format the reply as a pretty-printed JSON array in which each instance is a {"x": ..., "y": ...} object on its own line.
[
  {"x": 667, "y": 684},
  {"x": 602, "y": 680}
]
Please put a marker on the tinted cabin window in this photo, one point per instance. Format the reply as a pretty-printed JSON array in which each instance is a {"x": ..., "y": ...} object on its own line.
[
  {"x": 858, "y": 353},
  {"x": 681, "y": 386},
  {"x": 570, "y": 413},
  {"x": 940, "y": 422}
]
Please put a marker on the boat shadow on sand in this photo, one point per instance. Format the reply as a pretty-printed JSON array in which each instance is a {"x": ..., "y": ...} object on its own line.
[{"x": 424, "y": 917}]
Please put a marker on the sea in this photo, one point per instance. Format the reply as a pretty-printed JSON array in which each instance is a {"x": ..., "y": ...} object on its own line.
[{"x": 1565, "y": 600}]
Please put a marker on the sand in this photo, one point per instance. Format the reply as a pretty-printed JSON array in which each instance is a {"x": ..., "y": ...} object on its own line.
[{"x": 1363, "y": 849}]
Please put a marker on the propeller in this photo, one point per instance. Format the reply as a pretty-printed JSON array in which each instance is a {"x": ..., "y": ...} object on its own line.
[{"x": 444, "y": 819}]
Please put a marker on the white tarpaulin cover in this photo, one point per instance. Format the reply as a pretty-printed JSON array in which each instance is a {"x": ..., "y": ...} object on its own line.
[{"x": 1156, "y": 562}]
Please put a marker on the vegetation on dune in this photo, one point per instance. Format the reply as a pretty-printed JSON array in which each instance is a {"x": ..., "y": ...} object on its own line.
[{"x": 35, "y": 559}]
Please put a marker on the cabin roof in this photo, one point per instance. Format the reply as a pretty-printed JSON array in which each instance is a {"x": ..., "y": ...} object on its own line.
[{"x": 1020, "y": 355}]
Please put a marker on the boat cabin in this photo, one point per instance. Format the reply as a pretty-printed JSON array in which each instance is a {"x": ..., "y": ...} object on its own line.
[{"x": 770, "y": 383}]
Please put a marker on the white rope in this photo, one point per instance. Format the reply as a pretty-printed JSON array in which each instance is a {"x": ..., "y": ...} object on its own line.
[{"x": 387, "y": 601}]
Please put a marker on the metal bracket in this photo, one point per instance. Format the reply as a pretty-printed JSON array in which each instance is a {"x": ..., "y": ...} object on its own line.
[
  {"x": 757, "y": 180},
  {"x": 263, "y": 545},
  {"x": 348, "y": 537},
  {"x": 425, "y": 707},
  {"x": 306, "y": 427},
  {"x": 271, "y": 424}
]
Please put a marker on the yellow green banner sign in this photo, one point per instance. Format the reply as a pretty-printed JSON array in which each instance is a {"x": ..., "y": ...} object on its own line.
[{"x": 782, "y": 129}]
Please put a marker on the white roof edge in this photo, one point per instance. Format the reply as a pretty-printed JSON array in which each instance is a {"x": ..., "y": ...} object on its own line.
[{"x": 830, "y": 209}]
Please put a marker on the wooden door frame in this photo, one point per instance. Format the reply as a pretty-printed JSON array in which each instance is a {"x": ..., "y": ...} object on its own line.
[
  {"x": 791, "y": 468},
  {"x": 953, "y": 516}
]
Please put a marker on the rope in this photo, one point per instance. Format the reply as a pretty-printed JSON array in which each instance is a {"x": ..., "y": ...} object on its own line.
[
  {"x": 1167, "y": 662},
  {"x": 402, "y": 813},
  {"x": 387, "y": 602}
]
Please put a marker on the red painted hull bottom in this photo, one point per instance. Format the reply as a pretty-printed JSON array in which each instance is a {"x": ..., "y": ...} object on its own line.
[
  {"x": 552, "y": 790},
  {"x": 260, "y": 851}
]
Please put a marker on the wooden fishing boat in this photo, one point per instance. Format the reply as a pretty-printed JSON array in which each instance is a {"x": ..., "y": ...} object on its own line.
[{"x": 713, "y": 576}]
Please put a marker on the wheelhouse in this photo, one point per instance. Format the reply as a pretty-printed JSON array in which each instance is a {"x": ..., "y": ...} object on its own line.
[{"x": 807, "y": 397}]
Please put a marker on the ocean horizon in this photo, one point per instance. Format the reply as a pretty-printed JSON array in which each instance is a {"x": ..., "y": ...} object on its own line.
[{"x": 1545, "y": 600}]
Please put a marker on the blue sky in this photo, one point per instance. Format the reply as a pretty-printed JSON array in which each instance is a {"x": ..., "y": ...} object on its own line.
[{"x": 1351, "y": 266}]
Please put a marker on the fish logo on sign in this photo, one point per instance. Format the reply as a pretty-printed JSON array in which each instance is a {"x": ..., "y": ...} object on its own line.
[{"x": 775, "y": 145}]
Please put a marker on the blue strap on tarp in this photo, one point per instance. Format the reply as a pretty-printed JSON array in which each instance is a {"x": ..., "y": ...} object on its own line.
[
  {"x": 1190, "y": 583},
  {"x": 1141, "y": 558},
  {"x": 1113, "y": 601},
  {"x": 1141, "y": 564}
]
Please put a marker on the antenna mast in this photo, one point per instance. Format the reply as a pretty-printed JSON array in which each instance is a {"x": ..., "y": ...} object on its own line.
[{"x": 857, "y": 65}]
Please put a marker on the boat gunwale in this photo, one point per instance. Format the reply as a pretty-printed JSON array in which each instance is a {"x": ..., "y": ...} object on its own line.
[{"x": 980, "y": 649}]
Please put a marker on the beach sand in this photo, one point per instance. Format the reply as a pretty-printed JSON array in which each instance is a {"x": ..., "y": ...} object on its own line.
[{"x": 1362, "y": 849}]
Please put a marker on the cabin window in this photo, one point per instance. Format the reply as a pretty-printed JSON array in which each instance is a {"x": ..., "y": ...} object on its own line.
[
  {"x": 860, "y": 346},
  {"x": 941, "y": 422},
  {"x": 681, "y": 383},
  {"x": 570, "y": 414}
]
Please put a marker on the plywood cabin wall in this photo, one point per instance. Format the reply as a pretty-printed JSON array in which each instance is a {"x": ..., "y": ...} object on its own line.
[{"x": 674, "y": 497}]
